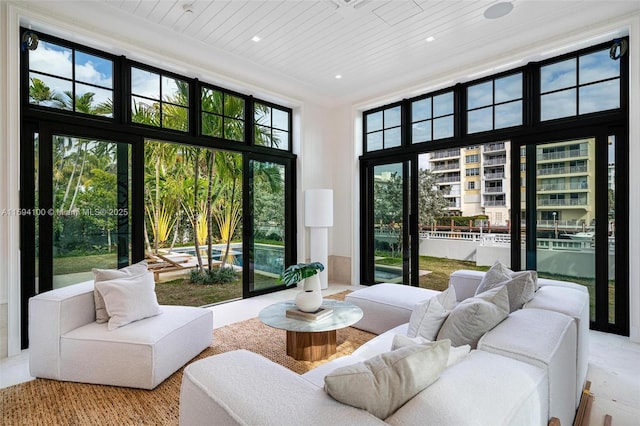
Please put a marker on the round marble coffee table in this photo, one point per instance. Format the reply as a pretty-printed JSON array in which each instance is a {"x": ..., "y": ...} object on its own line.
[{"x": 311, "y": 340}]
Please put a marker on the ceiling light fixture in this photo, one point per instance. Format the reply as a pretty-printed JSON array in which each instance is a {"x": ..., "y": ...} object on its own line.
[
  {"x": 256, "y": 38},
  {"x": 338, "y": 76},
  {"x": 498, "y": 10},
  {"x": 430, "y": 39},
  {"x": 188, "y": 8}
]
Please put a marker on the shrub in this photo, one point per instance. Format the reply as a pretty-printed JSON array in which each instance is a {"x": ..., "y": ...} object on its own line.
[{"x": 215, "y": 276}]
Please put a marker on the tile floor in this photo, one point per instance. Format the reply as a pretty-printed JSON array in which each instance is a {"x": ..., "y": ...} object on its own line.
[{"x": 614, "y": 363}]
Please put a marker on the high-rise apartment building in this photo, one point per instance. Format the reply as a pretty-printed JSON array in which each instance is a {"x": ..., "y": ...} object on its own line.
[{"x": 476, "y": 181}]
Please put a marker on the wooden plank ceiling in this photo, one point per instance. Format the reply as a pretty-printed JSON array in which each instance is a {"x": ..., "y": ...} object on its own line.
[{"x": 373, "y": 45}]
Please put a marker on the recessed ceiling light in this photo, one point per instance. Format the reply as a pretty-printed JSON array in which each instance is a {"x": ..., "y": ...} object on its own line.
[
  {"x": 498, "y": 10},
  {"x": 256, "y": 38},
  {"x": 430, "y": 39},
  {"x": 338, "y": 76}
]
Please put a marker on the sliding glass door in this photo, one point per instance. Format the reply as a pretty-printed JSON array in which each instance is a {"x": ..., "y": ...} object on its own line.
[
  {"x": 570, "y": 220},
  {"x": 270, "y": 225},
  {"x": 389, "y": 256}
]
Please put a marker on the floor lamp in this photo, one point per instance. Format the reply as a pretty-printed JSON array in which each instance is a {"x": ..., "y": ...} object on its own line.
[{"x": 318, "y": 217}]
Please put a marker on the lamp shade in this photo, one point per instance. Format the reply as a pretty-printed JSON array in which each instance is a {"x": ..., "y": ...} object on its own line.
[{"x": 318, "y": 208}]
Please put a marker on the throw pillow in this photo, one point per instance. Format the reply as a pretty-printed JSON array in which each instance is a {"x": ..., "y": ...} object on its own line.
[
  {"x": 427, "y": 318},
  {"x": 521, "y": 286},
  {"x": 456, "y": 353},
  {"x": 387, "y": 381},
  {"x": 498, "y": 273},
  {"x": 134, "y": 270},
  {"x": 473, "y": 317},
  {"x": 129, "y": 299}
]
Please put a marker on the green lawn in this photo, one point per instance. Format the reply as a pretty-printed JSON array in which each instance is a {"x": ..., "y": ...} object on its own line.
[{"x": 181, "y": 292}]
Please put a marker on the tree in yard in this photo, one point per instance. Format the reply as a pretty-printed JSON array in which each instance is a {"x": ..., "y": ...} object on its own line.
[
  {"x": 431, "y": 201},
  {"x": 387, "y": 208}
]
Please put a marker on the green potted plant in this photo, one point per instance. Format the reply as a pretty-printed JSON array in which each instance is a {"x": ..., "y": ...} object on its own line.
[
  {"x": 293, "y": 274},
  {"x": 310, "y": 298}
]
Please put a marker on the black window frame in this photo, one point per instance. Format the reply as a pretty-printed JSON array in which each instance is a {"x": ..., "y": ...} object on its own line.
[
  {"x": 39, "y": 119},
  {"x": 532, "y": 131}
]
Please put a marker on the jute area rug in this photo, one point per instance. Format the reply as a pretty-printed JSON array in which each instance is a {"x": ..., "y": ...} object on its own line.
[{"x": 49, "y": 402}]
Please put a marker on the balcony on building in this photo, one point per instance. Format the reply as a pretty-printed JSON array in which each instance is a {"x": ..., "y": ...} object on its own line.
[
  {"x": 446, "y": 153},
  {"x": 495, "y": 147}
]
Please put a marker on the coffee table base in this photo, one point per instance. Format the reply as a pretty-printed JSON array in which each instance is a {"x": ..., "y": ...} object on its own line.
[{"x": 311, "y": 346}]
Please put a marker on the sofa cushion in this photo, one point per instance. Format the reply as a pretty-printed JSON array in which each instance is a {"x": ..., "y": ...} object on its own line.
[
  {"x": 482, "y": 389},
  {"x": 140, "y": 355},
  {"x": 129, "y": 299},
  {"x": 427, "y": 318},
  {"x": 137, "y": 269},
  {"x": 385, "y": 382},
  {"x": 473, "y": 317},
  {"x": 520, "y": 285}
]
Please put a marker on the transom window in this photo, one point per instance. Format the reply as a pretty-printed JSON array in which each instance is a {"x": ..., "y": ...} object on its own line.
[
  {"x": 222, "y": 114},
  {"x": 70, "y": 79},
  {"x": 383, "y": 129},
  {"x": 495, "y": 104},
  {"x": 432, "y": 118},
  {"x": 159, "y": 100},
  {"x": 272, "y": 126},
  {"x": 580, "y": 85}
]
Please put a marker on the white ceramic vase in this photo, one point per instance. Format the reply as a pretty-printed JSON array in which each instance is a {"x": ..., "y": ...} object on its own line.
[{"x": 310, "y": 299}]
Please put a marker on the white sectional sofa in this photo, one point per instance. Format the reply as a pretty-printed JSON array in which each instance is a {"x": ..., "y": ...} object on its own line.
[
  {"x": 66, "y": 343},
  {"x": 526, "y": 370}
]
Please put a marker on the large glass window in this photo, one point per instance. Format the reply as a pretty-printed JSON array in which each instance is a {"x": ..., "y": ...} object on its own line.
[
  {"x": 580, "y": 85},
  {"x": 151, "y": 185},
  {"x": 159, "y": 100},
  {"x": 90, "y": 207},
  {"x": 495, "y": 104},
  {"x": 529, "y": 195},
  {"x": 69, "y": 79}
]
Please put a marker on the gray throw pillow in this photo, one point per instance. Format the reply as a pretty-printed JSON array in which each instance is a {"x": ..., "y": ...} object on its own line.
[
  {"x": 473, "y": 317},
  {"x": 135, "y": 270},
  {"x": 427, "y": 318},
  {"x": 387, "y": 381},
  {"x": 520, "y": 285}
]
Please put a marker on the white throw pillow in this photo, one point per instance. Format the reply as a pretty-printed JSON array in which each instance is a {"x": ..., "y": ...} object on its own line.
[
  {"x": 498, "y": 273},
  {"x": 427, "y": 318},
  {"x": 129, "y": 299},
  {"x": 387, "y": 381},
  {"x": 520, "y": 285},
  {"x": 456, "y": 353},
  {"x": 473, "y": 317},
  {"x": 134, "y": 270}
]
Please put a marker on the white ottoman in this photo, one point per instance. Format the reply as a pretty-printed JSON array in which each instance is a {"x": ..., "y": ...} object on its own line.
[
  {"x": 387, "y": 305},
  {"x": 544, "y": 339}
]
